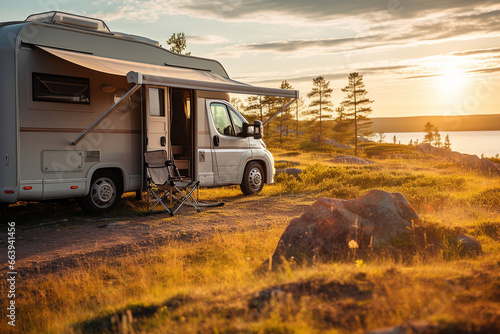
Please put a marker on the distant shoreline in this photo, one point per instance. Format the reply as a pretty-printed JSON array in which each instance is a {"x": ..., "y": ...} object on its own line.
[{"x": 444, "y": 123}]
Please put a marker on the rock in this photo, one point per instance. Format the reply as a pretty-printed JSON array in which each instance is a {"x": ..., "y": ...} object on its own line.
[
  {"x": 377, "y": 221},
  {"x": 292, "y": 171},
  {"x": 411, "y": 327},
  {"x": 352, "y": 160},
  {"x": 337, "y": 145},
  {"x": 470, "y": 245},
  {"x": 286, "y": 162},
  {"x": 328, "y": 226},
  {"x": 470, "y": 161}
]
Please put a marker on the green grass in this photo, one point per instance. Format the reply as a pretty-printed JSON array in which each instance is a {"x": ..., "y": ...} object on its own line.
[{"x": 218, "y": 283}]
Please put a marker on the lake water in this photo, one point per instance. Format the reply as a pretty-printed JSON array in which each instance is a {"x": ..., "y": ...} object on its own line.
[{"x": 470, "y": 142}]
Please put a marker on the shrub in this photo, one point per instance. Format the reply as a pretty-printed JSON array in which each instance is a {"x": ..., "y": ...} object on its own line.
[{"x": 489, "y": 198}]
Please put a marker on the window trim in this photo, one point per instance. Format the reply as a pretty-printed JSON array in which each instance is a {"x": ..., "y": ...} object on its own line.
[
  {"x": 228, "y": 110},
  {"x": 38, "y": 77}
]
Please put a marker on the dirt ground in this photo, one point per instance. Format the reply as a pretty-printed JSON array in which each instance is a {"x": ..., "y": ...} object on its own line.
[{"x": 45, "y": 240}]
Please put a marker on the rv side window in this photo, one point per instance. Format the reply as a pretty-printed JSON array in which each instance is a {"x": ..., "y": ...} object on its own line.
[
  {"x": 237, "y": 121},
  {"x": 60, "y": 88},
  {"x": 221, "y": 119},
  {"x": 156, "y": 102}
]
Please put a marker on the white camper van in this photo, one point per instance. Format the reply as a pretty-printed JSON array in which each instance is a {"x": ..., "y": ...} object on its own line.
[{"x": 79, "y": 105}]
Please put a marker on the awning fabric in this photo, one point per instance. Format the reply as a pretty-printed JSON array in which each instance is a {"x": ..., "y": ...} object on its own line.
[{"x": 166, "y": 75}]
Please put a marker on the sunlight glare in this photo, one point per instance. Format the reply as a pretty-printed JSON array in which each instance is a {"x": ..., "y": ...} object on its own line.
[{"x": 451, "y": 81}]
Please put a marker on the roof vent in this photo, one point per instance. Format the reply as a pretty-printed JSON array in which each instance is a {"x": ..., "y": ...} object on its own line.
[{"x": 72, "y": 20}]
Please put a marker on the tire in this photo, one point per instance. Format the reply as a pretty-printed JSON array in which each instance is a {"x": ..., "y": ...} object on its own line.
[
  {"x": 253, "y": 179},
  {"x": 104, "y": 194}
]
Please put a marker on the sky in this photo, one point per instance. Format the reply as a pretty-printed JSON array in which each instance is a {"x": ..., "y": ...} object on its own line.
[{"x": 417, "y": 57}]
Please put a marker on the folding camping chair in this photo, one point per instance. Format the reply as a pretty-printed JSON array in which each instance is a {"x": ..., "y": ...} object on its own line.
[{"x": 164, "y": 176}]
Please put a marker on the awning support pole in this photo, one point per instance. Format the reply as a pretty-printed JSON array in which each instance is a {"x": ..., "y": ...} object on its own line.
[
  {"x": 106, "y": 114},
  {"x": 280, "y": 111}
]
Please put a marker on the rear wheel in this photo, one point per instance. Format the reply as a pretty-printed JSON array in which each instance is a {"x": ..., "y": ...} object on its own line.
[
  {"x": 253, "y": 179},
  {"x": 104, "y": 195}
]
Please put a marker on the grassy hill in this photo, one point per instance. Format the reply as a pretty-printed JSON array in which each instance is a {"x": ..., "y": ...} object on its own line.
[{"x": 206, "y": 276}]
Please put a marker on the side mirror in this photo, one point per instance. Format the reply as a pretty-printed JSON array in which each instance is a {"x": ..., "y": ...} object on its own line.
[
  {"x": 257, "y": 129},
  {"x": 253, "y": 130}
]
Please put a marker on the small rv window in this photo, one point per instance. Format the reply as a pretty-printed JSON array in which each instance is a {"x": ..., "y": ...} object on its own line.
[
  {"x": 156, "y": 102},
  {"x": 221, "y": 119},
  {"x": 60, "y": 88},
  {"x": 237, "y": 121}
]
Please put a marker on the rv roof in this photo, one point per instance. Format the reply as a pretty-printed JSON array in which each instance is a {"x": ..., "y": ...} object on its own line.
[{"x": 73, "y": 20}]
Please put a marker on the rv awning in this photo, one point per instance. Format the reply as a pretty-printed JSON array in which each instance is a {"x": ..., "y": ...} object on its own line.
[{"x": 167, "y": 75}]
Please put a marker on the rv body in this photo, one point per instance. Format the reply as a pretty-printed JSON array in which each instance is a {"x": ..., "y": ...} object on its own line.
[{"x": 79, "y": 106}]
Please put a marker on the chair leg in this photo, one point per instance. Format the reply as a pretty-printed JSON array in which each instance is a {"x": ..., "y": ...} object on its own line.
[
  {"x": 187, "y": 197},
  {"x": 158, "y": 201}
]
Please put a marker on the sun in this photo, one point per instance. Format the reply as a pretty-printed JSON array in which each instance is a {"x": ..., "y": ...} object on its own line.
[{"x": 451, "y": 81}]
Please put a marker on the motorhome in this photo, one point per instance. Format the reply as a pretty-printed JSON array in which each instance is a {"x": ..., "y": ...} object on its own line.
[{"x": 79, "y": 106}]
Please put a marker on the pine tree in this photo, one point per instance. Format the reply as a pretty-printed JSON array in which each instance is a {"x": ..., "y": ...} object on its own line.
[
  {"x": 357, "y": 107},
  {"x": 299, "y": 106},
  {"x": 178, "y": 43},
  {"x": 447, "y": 142},
  {"x": 271, "y": 103},
  {"x": 254, "y": 108},
  {"x": 381, "y": 137},
  {"x": 320, "y": 105},
  {"x": 237, "y": 103},
  {"x": 285, "y": 116},
  {"x": 437, "y": 137},
  {"x": 429, "y": 132},
  {"x": 342, "y": 129}
]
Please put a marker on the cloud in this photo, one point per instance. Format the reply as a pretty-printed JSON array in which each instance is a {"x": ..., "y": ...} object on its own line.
[
  {"x": 434, "y": 28},
  {"x": 291, "y": 11},
  {"x": 341, "y": 74},
  {"x": 486, "y": 70},
  {"x": 476, "y": 52},
  {"x": 206, "y": 39},
  {"x": 324, "y": 10}
]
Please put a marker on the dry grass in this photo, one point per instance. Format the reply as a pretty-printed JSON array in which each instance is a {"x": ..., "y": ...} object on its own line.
[{"x": 216, "y": 284}]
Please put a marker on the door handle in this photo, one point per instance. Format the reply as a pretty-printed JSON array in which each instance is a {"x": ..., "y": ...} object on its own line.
[
  {"x": 216, "y": 140},
  {"x": 163, "y": 141}
]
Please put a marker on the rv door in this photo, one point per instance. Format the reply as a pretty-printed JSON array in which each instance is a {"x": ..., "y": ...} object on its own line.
[
  {"x": 157, "y": 119},
  {"x": 228, "y": 144}
]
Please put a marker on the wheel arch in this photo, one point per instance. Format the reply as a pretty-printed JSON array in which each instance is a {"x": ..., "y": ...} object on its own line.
[{"x": 117, "y": 169}]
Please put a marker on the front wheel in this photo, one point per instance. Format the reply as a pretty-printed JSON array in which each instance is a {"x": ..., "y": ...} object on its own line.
[
  {"x": 104, "y": 195},
  {"x": 253, "y": 179}
]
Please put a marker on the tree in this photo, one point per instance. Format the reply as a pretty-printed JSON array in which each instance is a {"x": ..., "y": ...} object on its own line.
[
  {"x": 237, "y": 103},
  {"x": 177, "y": 43},
  {"x": 299, "y": 106},
  {"x": 285, "y": 116},
  {"x": 447, "y": 142},
  {"x": 437, "y": 137},
  {"x": 342, "y": 128},
  {"x": 320, "y": 103},
  {"x": 254, "y": 108},
  {"x": 429, "y": 132},
  {"x": 381, "y": 137},
  {"x": 357, "y": 106}
]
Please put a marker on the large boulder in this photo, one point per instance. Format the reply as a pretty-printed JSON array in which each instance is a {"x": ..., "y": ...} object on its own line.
[
  {"x": 336, "y": 144},
  {"x": 332, "y": 228}
]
